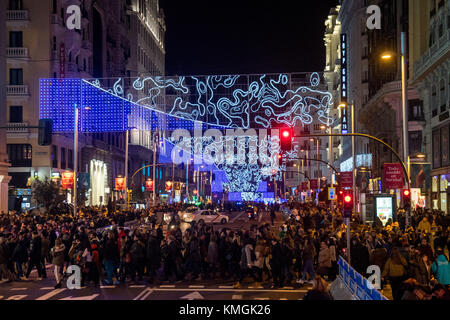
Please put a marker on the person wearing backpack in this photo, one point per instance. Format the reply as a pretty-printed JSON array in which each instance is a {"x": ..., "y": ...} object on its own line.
[{"x": 441, "y": 267}]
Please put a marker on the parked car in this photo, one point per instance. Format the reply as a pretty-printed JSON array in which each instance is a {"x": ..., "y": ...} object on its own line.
[{"x": 209, "y": 216}]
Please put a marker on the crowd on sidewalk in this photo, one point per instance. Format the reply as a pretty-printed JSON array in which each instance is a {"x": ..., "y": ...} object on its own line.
[{"x": 413, "y": 259}]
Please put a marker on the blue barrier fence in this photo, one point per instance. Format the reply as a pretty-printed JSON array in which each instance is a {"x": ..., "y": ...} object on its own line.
[{"x": 359, "y": 286}]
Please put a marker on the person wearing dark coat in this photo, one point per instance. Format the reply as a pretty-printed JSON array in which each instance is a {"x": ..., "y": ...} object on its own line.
[
  {"x": 276, "y": 264},
  {"x": 153, "y": 255},
  {"x": 20, "y": 256},
  {"x": 35, "y": 256},
  {"x": 360, "y": 257},
  {"x": 137, "y": 252}
]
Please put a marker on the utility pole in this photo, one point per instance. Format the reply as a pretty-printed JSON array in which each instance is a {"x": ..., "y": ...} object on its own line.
[
  {"x": 126, "y": 170},
  {"x": 75, "y": 162},
  {"x": 155, "y": 145},
  {"x": 406, "y": 158}
]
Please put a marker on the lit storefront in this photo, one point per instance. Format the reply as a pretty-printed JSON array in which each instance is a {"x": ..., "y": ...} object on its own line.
[{"x": 441, "y": 169}]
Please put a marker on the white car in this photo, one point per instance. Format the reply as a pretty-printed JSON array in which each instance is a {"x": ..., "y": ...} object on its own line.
[{"x": 209, "y": 216}]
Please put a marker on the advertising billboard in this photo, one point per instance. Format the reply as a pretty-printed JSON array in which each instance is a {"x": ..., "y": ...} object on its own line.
[{"x": 384, "y": 208}]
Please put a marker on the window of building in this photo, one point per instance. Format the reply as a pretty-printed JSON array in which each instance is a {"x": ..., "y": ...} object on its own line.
[
  {"x": 62, "y": 17},
  {"x": 443, "y": 96},
  {"x": 70, "y": 159},
  {"x": 63, "y": 158},
  {"x": 55, "y": 7},
  {"x": 15, "y": 39},
  {"x": 54, "y": 43},
  {"x": 55, "y": 156},
  {"x": 16, "y": 77},
  {"x": 20, "y": 155},
  {"x": 15, "y": 114},
  {"x": 434, "y": 106},
  {"x": 15, "y": 5}
]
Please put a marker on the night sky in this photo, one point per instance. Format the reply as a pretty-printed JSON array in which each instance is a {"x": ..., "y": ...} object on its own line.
[{"x": 245, "y": 36}]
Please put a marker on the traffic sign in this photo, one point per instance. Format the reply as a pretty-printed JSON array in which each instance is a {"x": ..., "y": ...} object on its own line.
[{"x": 331, "y": 193}]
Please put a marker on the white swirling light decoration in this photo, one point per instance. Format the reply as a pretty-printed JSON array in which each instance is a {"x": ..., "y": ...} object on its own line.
[{"x": 234, "y": 101}]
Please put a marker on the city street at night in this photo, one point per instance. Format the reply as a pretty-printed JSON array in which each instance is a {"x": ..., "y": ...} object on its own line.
[{"x": 223, "y": 159}]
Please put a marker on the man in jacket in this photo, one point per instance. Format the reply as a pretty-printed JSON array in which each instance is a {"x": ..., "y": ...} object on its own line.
[
  {"x": 441, "y": 267},
  {"x": 276, "y": 264},
  {"x": 4, "y": 259},
  {"x": 153, "y": 255},
  {"x": 35, "y": 256},
  {"x": 110, "y": 258}
]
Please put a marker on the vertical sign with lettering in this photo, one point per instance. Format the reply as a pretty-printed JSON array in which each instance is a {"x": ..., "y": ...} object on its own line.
[
  {"x": 344, "y": 115},
  {"x": 62, "y": 60}
]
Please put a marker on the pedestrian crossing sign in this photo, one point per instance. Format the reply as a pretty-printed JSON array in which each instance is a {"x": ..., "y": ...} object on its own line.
[{"x": 331, "y": 193}]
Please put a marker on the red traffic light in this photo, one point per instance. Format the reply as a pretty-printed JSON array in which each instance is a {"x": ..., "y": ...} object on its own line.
[
  {"x": 406, "y": 193},
  {"x": 286, "y": 139},
  {"x": 348, "y": 198},
  {"x": 280, "y": 156}
]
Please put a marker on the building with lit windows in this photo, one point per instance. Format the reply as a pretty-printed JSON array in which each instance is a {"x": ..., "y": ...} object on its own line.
[
  {"x": 41, "y": 46},
  {"x": 431, "y": 76},
  {"x": 4, "y": 176}
]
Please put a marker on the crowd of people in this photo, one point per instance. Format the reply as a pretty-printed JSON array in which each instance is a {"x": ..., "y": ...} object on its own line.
[{"x": 306, "y": 248}]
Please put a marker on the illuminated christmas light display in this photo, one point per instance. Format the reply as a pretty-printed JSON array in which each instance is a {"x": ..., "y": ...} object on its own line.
[{"x": 198, "y": 103}]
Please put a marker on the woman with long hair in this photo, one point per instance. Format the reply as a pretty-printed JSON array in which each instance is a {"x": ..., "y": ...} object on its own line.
[{"x": 395, "y": 270}]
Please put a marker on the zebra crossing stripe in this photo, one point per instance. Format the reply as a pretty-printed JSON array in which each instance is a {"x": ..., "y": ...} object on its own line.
[
  {"x": 107, "y": 287},
  {"x": 236, "y": 297},
  {"x": 18, "y": 289},
  {"x": 199, "y": 287},
  {"x": 144, "y": 294},
  {"x": 167, "y": 286},
  {"x": 51, "y": 294}
]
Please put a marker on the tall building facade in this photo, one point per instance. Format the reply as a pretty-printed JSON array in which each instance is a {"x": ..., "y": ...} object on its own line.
[
  {"x": 41, "y": 46},
  {"x": 332, "y": 75},
  {"x": 4, "y": 176},
  {"x": 430, "y": 71}
]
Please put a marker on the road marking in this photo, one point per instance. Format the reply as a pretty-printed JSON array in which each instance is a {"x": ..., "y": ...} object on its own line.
[
  {"x": 51, "y": 294},
  {"x": 47, "y": 288},
  {"x": 226, "y": 287},
  {"x": 231, "y": 290},
  {"x": 199, "y": 287},
  {"x": 236, "y": 297},
  {"x": 261, "y": 299},
  {"x": 144, "y": 294},
  {"x": 137, "y": 286},
  {"x": 287, "y": 288},
  {"x": 237, "y": 217},
  {"x": 107, "y": 287},
  {"x": 92, "y": 297},
  {"x": 18, "y": 297},
  {"x": 167, "y": 286},
  {"x": 18, "y": 289},
  {"x": 193, "y": 296},
  {"x": 254, "y": 287},
  {"x": 283, "y": 299}
]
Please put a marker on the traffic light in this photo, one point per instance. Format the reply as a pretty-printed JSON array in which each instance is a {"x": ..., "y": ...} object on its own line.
[
  {"x": 45, "y": 132},
  {"x": 280, "y": 159},
  {"x": 286, "y": 139},
  {"x": 406, "y": 199},
  {"x": 348, "y": 205}
]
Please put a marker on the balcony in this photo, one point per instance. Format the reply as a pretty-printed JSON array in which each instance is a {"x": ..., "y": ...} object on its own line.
[
  {"x": 438, "y": 51},
  {"x": 17, "y": 90},
  {"x": 17, "y": 15},
  {"x": 17, "y": 127},
  {"x": 17, "y": 52}
]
